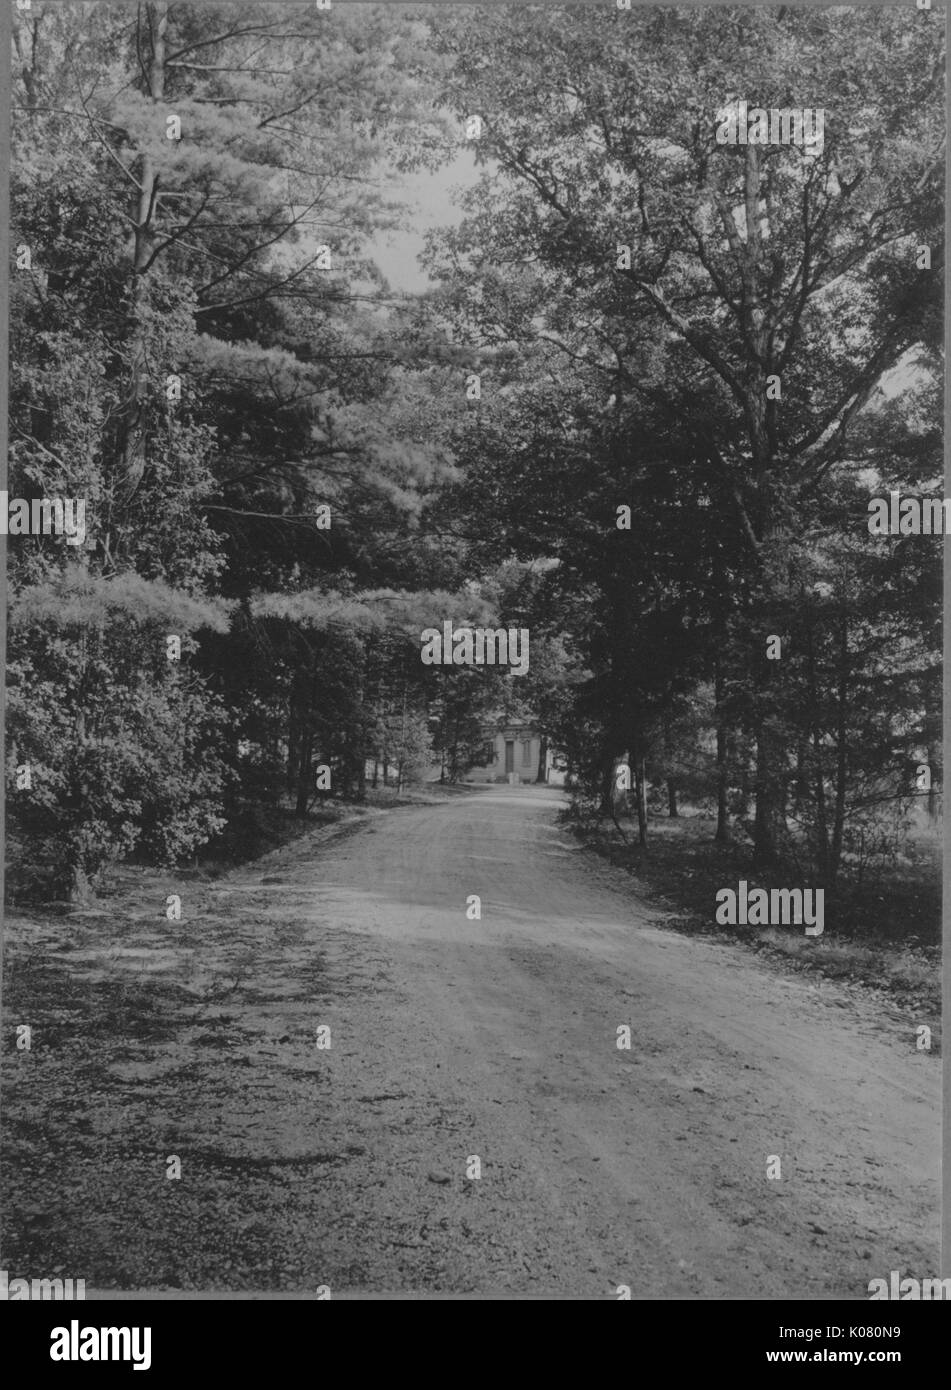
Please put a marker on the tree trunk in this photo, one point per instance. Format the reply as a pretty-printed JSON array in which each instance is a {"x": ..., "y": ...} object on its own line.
[
  {"x": 607, "y": 786},
  {"x": 668, "y": 758},
  {"x": 304, "y": 776},
  {"x": 768, "y": 801},
  {"x": 358, "y": 764},
  {"x": 722, "y": 835},
  {"x": 802, "y": 774},
  {"x": 822, "y": 824},
  {"x": 640, "y": 789},
  {"x": 542, "y": 775},
  {"x": 822, "y": 820},
  {"x": 293, "y": 743},
  {"x": 932, "y": 788},
  {"x": 133, "y": 425},
  {"x": 744, "y": 791},
  {"x": 842, "y": 753},
  {"x": 78, "y": 892}
]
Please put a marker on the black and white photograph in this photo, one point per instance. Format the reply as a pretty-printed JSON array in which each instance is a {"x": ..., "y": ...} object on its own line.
[{"x": 474, "y": 523}]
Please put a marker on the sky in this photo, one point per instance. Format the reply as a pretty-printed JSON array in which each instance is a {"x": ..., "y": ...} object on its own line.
[{"x": 429, "y": 204}]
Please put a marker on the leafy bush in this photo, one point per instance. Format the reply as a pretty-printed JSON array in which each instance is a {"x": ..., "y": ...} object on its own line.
[{"x": 111, "y": 744}]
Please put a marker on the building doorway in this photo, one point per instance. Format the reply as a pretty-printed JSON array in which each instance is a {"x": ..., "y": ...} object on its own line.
[{"x": 509, "y": 755}]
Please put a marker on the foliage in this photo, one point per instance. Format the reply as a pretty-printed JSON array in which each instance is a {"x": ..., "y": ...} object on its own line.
[{"x": 281, "y": 464}]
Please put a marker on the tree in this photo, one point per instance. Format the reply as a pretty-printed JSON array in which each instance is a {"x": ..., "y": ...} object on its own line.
[
  {"x": 112, "y": 744},
  {"x": 194, "y": 359},
  {"x": 733, "y": 307}
]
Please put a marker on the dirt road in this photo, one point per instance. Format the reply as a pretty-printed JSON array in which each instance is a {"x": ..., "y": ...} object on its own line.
[{"x": 496, "y": 1038}]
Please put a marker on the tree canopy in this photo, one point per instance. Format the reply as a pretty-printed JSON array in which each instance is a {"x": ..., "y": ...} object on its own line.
[{"x": 694, "y": 363}]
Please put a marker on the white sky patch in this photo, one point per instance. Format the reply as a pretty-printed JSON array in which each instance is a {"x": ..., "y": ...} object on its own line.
[
  {"x": 430, "y": 204},
  {"x": 903, "y": 375}
]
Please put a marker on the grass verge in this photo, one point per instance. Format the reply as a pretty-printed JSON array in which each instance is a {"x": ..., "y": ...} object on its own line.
[{"x": 884, "y": 937}]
